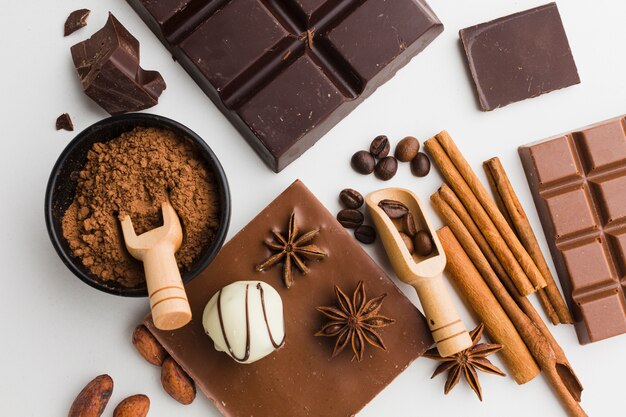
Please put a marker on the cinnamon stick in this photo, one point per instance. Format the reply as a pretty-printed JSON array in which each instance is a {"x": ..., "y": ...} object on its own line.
[
  {"x": 481, "y": 300},
  {"x": 548, "y": 354},
  {"x": 490, "y": 231},
  {"x": 453, "y": 201},
  {"x": 547, "y": 306},
  {"x": 512, "y": 206},
  {"x": 448, "y": 196},
  {"x": 541, "y": 293},
  {"x": 497, "y": 199},
  {"x": 456, "y": 161}
]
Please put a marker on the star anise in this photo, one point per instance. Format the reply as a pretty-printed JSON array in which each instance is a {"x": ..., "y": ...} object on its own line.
[
  {"x": 355, "y": 321},
  {"x": 292, "y": 249},
  {"x": 467, "y": 362}
]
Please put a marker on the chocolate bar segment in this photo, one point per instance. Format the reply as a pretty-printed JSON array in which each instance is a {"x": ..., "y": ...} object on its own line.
[
  {"x": 286, "y": 71},
  {"x": 578, "y": 181},
  {"x": 519, "y": 56},
  {"x": 222, "y": 51},
  {"x": 279, "y": 111},
  {"x": 300, "y": 379}
]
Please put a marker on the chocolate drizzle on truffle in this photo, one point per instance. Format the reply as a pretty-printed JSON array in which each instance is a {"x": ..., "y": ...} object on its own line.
[
  {"x": 267, "y": 323},
  {"x": 230, "y": 349}
]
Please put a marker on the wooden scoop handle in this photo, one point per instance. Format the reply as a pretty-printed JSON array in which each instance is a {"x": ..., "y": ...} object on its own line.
[
  {"x": 446, "y": 326},
  {"x": 168, "y": 300}
]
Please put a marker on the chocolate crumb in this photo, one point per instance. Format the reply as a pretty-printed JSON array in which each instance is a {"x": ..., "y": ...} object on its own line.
[
  {"x": 76, "y": 20},
  {"x": 308, "y": 37},
  {"x": 64, "y": 122}
]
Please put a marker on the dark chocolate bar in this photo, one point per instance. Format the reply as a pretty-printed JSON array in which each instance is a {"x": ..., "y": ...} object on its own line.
[
  {"x": 300, "y": 379},
  {"x": 286, "y": 71},
  {"x": 578, "y": 181},
  {"x": 519, "y": 56}
]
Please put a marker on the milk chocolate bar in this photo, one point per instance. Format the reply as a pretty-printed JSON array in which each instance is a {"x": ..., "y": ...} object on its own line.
[
  {"x": 519, "y": 56},
  {"x": 300, "y": 379},
  {"x": 285, "y": 72},
  {"x": 578, "y": 181}
]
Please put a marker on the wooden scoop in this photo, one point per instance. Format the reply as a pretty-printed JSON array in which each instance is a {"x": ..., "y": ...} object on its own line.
[
  {"x": 156, "y": 249},
  {"x": 423, "y": 273}
]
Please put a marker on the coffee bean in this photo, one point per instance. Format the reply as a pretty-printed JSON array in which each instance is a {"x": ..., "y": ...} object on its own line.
[
  {"x": 408, "y": 242},
  {"x": 392, "y": 208},
  {"x": 386, "y": 168},
  {"x": 365, "y": 234},
  {"x": 407, "y": 148},
  {"x": 350, "y": 218},
  {"x": 351, "y": 198},
  {"x": 420, "y": 165},
  {"x": 363, "y": 162},
  {"x": 408, "y": 224},
  {"x": 423, "y": 243},
  {"x": 380, "y": 147}
]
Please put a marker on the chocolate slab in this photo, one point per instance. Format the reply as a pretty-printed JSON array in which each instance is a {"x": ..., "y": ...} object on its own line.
[
  {"x": 300, "y": 379},
  {"x": 109, "y": 71},
  {"x": 519, "y": 56},
  {"x": 578, "y": 181},
  {"x": 285, "y": 72}
]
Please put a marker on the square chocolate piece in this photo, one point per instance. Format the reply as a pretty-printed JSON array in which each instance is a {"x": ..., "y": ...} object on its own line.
[
  {"x": 285, "y": 72},
  {"x": 519, "y": 56},
  {"x": 578, "y": 181},
  {"x": 300, "y": 379}
]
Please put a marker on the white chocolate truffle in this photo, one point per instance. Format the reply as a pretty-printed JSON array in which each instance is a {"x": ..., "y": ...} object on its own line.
[{"x": 245, "y": 320}]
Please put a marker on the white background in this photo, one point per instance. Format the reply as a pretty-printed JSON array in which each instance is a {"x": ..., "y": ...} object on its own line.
[{"x": 56, "y": 333}]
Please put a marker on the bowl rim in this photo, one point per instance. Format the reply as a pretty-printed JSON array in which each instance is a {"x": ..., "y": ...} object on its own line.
[{"x": 165, "y": 122}]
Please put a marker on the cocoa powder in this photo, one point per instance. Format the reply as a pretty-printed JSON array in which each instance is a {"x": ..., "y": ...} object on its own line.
[{"x": 133, "y": 174}]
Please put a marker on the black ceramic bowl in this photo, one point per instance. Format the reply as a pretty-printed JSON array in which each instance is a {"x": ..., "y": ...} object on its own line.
[{"x": 62, "y": 188}]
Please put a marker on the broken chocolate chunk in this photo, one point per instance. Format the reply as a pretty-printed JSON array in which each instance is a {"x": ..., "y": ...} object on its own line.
[
  {"x": 76, "y": 20},
  {"x": 64, "y": 122},
  {"x": 109, "y": 71}
]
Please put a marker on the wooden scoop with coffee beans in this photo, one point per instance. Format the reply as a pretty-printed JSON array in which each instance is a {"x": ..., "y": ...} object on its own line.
[{"x": 419, "y": 260}]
